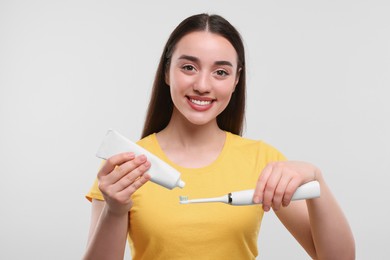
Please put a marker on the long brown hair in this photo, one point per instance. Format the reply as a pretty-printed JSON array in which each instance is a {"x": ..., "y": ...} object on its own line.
[{"x": 161, "y": 106}]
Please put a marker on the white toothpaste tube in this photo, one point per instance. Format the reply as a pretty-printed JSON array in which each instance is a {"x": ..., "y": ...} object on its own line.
[{"x": 161, "y": 173}]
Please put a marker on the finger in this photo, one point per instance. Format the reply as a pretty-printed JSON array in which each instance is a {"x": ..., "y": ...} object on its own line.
[
  {"x": 280, "y": 191},
  {"x": 125, "y": 168},
  {"x": 261, "y": 182},
  {"x": 108, "y": 183},
  {"x": 129, "y": 190},
  {"x": 290, "y": 190},
  {"x": 271, "y": 185},
  {"x": 132, "y": 176},
  {"x": 113, "y": 161}
]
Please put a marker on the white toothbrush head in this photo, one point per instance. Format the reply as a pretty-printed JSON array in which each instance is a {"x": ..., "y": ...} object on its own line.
[{"x": 183, "y": 199}]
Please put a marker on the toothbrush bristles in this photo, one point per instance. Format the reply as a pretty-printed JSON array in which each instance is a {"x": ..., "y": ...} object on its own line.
[{"x": 183, "y": 199}]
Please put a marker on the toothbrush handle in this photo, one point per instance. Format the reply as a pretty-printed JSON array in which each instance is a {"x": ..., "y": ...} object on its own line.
[
  {"x": 308, "y": 190},
  {"x": 243, "y": 197}
]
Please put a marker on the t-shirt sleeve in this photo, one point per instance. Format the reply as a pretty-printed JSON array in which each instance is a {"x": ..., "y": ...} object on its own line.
[
  {"x": 279, "y": 156},
  {"x": 94, "y": 192},
  {"x": 271, "y": 153}
]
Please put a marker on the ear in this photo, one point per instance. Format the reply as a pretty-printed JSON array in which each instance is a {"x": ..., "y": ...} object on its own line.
[
  {"x": 167, "y": 77},
  {"x": 237, "y": 79}
]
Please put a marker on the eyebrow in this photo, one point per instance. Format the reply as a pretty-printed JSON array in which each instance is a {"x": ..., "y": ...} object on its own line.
[{"x": 195, "y": 59}]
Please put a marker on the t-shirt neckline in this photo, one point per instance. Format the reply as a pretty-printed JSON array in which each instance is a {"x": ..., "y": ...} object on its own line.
[{"x": 208, "y": 167}]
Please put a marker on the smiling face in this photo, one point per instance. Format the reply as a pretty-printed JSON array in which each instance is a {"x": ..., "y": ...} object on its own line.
[{"x": 202, "y": 76}]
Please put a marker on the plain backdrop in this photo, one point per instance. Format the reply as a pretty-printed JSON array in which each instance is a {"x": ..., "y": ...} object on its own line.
[{"x": 318, "y": 90}]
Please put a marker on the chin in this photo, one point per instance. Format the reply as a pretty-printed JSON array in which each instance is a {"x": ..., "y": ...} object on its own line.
[
  {"x": 198, "y": 122},
  {"x": 196, "y": 119},
  {"x": 201, "y": 121}
]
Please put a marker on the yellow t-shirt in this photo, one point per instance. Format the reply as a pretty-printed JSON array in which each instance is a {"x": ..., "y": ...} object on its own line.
[{"x": 162, "y": 228}]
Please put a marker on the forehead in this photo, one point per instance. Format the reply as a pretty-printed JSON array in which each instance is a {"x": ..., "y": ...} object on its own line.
[{"x": 206, "y": 46}]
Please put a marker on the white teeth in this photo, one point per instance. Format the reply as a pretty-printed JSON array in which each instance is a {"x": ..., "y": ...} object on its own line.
[{"x": 200, "y": 102}]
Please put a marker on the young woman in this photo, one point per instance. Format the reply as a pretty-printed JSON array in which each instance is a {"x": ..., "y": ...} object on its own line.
[{"x": 194, "y": 122}]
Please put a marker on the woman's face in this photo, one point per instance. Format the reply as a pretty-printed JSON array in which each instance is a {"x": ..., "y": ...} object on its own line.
[{"x": 202, "y": 76}]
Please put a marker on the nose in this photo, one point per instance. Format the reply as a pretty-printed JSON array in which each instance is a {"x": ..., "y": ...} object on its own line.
[{"x": 202, "y": 83}]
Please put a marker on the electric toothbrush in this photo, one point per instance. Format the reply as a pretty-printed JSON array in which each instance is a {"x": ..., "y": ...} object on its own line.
[{"x": 308, "y": 190}]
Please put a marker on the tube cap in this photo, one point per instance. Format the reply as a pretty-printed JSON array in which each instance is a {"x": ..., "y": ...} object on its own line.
[{"x": 180, "y": 183}]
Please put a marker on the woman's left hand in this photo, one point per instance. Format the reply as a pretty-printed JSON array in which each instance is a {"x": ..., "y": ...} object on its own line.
[{"x": 279, "y": 180}]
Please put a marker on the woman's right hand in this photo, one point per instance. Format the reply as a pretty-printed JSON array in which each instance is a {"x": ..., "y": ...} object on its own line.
[{"x": 120, "y": 176}]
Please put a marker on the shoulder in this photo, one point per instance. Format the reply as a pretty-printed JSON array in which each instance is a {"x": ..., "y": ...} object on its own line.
[
  {"x": 260, "y": 147},
  {"x": 148, "y": 140}
]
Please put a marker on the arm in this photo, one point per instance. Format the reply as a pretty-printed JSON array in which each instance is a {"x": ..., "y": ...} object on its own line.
[
  {"x": 119, "y": 178},
  {"x": 319, "y": 225},
  {"x": 107, "y": 234}
]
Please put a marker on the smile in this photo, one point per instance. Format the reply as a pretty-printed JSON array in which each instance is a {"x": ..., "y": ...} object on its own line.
[{"x": 201, "y": 102}]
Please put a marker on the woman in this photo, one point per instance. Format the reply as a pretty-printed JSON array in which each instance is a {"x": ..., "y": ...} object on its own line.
[{"x": 194, "y": 122}]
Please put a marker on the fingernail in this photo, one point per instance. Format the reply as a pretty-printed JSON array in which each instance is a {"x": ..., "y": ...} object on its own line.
[
  {"x": 256, "y": 199},
  {"x": 266, "y": 208}
]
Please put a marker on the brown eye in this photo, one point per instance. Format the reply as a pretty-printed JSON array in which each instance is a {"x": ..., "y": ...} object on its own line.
[
  {"x": 188, "y": 67},
  {"x": 222, "y": 73}
]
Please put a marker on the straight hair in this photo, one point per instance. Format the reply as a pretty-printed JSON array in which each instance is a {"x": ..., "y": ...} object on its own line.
[{"x": 161, "y": 106}]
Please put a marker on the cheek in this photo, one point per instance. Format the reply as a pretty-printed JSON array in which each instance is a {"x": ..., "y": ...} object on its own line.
[
  {"x": 225, "y": 91},
  {"x": 178, "y": 81},
  {"x": 175, "y": 79}
]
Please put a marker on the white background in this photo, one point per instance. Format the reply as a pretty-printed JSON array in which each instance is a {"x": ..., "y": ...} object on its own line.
[{"x": 318, "y": 90}]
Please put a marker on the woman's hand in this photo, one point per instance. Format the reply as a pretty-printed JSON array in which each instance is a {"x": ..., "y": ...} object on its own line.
[
  {"x": 119, "y": 178},
  {"x": 279, "y": 180}
]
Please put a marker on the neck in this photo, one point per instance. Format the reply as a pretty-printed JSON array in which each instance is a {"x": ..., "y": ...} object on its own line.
[
  {"x": 190, "y": 145},
  {"x": 181, "y": 133}
]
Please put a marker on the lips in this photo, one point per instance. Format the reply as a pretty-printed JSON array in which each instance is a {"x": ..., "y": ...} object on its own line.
[{"x": 200, "y": 103}]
